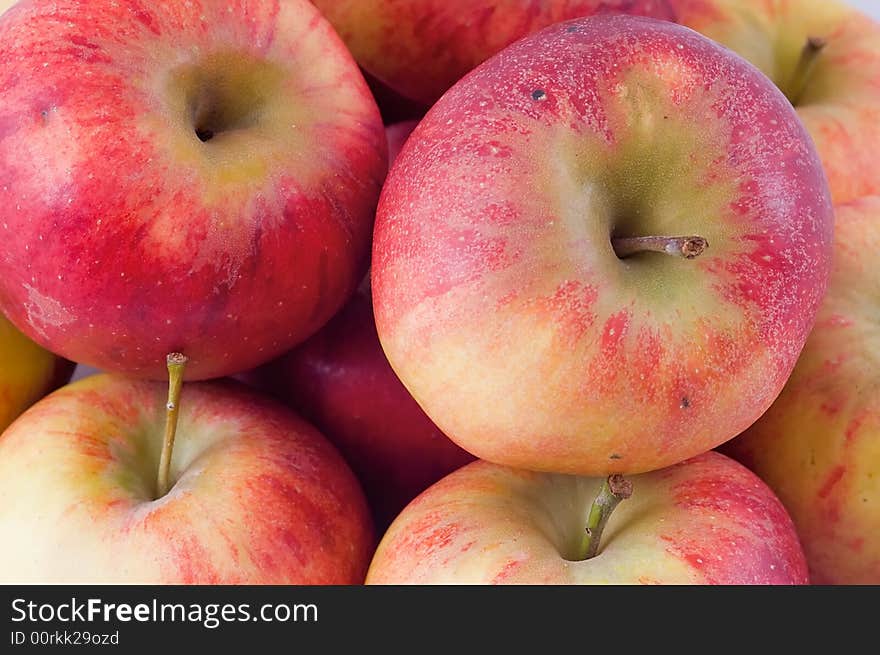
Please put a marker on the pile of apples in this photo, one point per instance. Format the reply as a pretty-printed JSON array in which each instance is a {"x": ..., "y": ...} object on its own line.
[{"x": 440, "y": 291}]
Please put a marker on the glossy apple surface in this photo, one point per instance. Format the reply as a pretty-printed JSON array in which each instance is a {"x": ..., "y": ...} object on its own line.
[
  {"x": 27, "y": 372},
  {"x": 500, "y": 298},
  {"x": 706, "y": 521},
  {"x": 196, "y": 177},
  {"x": 259, "y": 496},
  {"x": 422, "y": 48},
  {"x": 840, "y": 100},
  {"x": 341, "y": 381},
  {"x": 818, "y": 446}
]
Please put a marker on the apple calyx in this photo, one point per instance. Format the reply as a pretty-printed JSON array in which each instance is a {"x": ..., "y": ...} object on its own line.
[
  {"x": 804, "y": 69},
  {"x": 176, "y": 365},
  {"x": 615, "y": 489},
  {"x": 686, "y": 247}
]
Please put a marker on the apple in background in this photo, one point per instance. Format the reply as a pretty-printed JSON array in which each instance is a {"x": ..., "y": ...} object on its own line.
[
  {"x": 341, "y": 381},
  {"x": 420, "y": 49},
  {"x": 833, "y": 80},
  {"x": 258, "y": 495},
  {"x": 516, "y": 290},
  {"x": 181, "y": 177},
  {"x": 394, "y": 107},
  {"x": 705, "y": 521},
  {"x": 27, "y": 372},
  {"x": 818, "y": 446},
  {"x": 6, "y": 4},
  {"x": 397, "y": 134}
]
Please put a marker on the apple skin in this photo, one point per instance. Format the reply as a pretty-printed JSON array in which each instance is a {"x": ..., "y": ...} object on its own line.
[
  {"x": 27, "y": 373},
  {"x": 341, "y": 381},
  {"x": 840, "y": 106},
  {"x": 705, "y": 521},
  {"x": 500, "y": 301},
  {"x": 818, "y": 446},
  {"x": 420, "y": 49},
  {"x": 260, "y": 497},
  {"x": 125, "y": 236}
]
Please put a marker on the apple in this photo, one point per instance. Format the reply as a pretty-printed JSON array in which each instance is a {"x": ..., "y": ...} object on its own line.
[
  {"x": 818, "y": 446},
  {"x": 256, "y": 495},
  {"x": 394, "y": 107},
  {"x": 825, "y": 56},
  {"x": 27, "y": 372},
  {"x": 341, "y": 381},
  {"x": 420, "y": 49},
  {"x": 705, "y": 521},
  {"x": 198, "y": 177},
  {"x": 603, "y": 250}
]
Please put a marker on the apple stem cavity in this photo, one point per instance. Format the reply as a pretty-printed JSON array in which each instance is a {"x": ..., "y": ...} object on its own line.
[
  {"x": 686, "y": 247},
  {"x": 615, "y": 489},
  {"x": 804, "y": 69},
  {"x": 176, "y": 366}
]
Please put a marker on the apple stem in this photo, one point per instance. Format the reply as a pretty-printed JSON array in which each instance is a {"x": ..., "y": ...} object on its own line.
[
  {"x": 176, "y": 365},
  {"x": 615, "y": 489},
  {"x": 686, "y": 247},
  {"x": 809, "y": 56}
]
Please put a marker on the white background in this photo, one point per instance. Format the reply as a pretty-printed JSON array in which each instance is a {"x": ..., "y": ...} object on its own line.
[{"x": 869, "y": 6}]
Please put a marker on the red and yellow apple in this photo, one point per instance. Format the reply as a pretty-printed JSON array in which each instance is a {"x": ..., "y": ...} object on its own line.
[
  {"x": 516, "y": 291},
  {"x": 818, "y": 446},
  {"x": 196, "y": 177},
  {"x": 27, "y": 372},
  {"x": 258, "y": 495},
  {"x": 341, "y": 381},
  {"x": 825, "y": 56},
  {"x": 422, "y": 48},
  {"x": 705, "y": 521}
]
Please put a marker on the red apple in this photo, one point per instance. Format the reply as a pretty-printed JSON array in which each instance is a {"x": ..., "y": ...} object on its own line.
[
  {"x": 342, "y": 382},
  {"x": 27, "y": 372},
  {"x": 818, "y": 446},
  {"x": 516, "y": 290},
  {"x": 705, "y": 521},
  {"x": 181, "y": 176},
  {"x": 825, "y": 56},
  {"x": 258, "y": 496},
  {"x": 420, "y": 49},
  {"x": 394, "y": 107}
]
